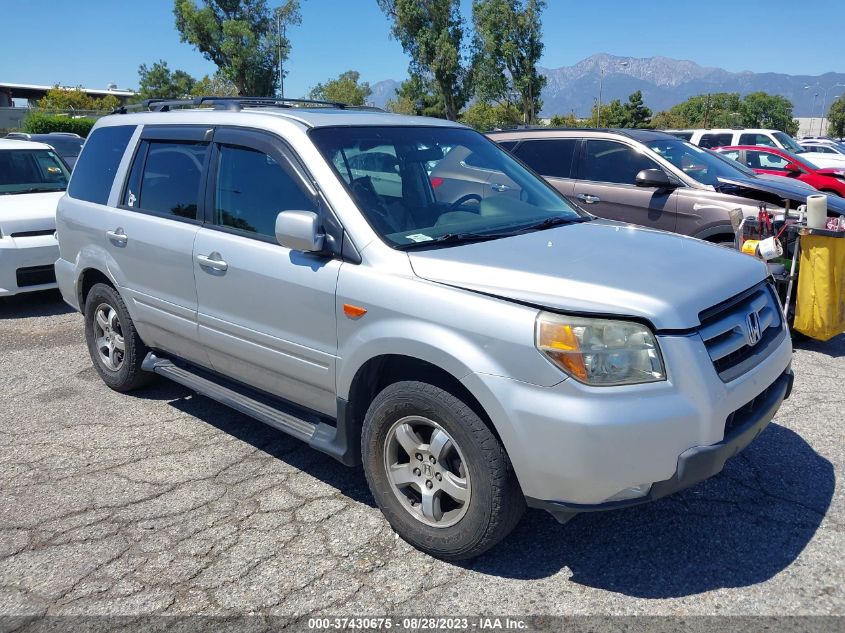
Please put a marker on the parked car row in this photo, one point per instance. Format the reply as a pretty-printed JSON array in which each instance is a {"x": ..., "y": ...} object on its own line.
[{"x": 715, "y": 138}]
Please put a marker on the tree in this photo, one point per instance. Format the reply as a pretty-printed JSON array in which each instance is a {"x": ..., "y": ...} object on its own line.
[
  {"x": 613, "y": 114},
  {"x": 636, "y": 113},
  {"x": 565, "y": 120},
  {"x": 419, "y": 96},
  {"x": 720, "y": 109},
  {"x": 484, "y": 116},
  {"x": 431, "y": 33},
  {"x": 760, "y": 109},
  {"x": 344, "y": 89},
  {"x": 240, "y": 37},
  {"x": 75, "y": 99},
  {"x": 727, "y": 109},
  {"x": 216, "y": 85},
  {"x": 158, "y": 82},
  {"x": 507, "y": 46},
  {"x": 836, "y": 118}
]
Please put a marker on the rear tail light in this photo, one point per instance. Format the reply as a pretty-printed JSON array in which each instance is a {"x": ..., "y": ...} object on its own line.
[{"x": 436, "y": 182}]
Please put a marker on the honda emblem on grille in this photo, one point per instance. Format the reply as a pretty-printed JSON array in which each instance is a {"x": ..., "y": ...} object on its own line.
[{"x": 752, "y": 321}]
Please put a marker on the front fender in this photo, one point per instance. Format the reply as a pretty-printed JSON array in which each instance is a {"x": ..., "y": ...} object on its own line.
[{"x": 457, "y": 330}]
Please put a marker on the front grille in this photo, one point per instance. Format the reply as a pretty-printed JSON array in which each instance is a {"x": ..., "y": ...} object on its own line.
[
  {"x": 742, "y": 415},
  {"x": 36, "y": 275},
  {"x": 33, "y": 233},
  {"x": 725, "y": 330}
]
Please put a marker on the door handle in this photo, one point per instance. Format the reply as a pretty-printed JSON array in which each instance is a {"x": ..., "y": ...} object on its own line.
[
  {"x": 500, "y": 188},
  {"x": 117, "y": 236},
  {"x": 587, "y": 198},
  {"x": 213, "y": 261}
]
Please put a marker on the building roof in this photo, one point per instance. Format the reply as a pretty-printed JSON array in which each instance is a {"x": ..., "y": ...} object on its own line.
[{"x": 34, "y": 91}]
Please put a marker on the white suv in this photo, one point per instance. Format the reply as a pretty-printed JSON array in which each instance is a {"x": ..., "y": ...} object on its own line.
[
  {"x": 724, "y": 137},
  {"x": 32, "y": 179}
]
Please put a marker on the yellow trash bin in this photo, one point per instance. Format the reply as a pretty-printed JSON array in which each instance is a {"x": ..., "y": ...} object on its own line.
[{"x": 820, "y": 307}]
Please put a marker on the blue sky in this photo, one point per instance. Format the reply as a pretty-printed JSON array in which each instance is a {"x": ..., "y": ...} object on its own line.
[{"x": 95, "y": 42}]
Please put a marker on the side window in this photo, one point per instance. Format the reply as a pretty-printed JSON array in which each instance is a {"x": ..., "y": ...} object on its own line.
[
  {"x": 253, "y": 188},
  {"x": 551, "y": 158},
  {"x": 165, "y": 178},
  {"x": 97, "y": 165},
  {"x": 709, "y": 141},
  {"x": 507, "y": 145},
  {"x": 609, "y": 161},
  {"x": 771, "y": 161},
  {"x": 733, "y": 154},
  {"x": 756, "y": 139}
]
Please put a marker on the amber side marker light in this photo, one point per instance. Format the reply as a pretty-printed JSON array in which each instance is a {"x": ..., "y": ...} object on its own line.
[{"x": 353, "y": 312}]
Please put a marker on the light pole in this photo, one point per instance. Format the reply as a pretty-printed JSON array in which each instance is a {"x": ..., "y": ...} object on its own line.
[
  {"x": 824, "y": 104},
  {"x": 601, "y": 83},
  {"x": 813, "y": 109}
]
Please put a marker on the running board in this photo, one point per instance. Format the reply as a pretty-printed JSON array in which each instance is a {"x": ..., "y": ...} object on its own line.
[{"x": 336, "y": 441}]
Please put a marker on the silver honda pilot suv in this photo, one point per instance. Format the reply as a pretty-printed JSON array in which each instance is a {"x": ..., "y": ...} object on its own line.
[{"x": 478, "y": 348}]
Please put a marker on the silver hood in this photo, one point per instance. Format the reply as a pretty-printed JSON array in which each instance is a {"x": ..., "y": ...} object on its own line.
[{"x": 599, "y": 267}]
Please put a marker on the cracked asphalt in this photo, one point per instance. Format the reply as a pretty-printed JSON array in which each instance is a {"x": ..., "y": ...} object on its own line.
[{"x": 164, "y": 502}]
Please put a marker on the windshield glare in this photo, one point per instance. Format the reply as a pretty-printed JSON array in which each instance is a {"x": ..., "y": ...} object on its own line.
[
  {"x": 700, "y": 164},
  {"x": 29, "y": 171},
  {"x": 418, "y": 184},
  {"x": 788, "y": 143}
]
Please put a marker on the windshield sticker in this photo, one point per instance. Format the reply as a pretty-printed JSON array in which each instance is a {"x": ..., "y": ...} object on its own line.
[{"x": 419, "y": 237}]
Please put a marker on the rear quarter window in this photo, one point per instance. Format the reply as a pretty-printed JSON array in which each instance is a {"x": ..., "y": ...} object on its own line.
[{"x": 95, "y": 171}]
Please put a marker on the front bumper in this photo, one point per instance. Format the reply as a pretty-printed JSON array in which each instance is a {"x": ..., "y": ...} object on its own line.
[
  {"x": 579, "y": 446},
  {"x": 700, "y": 462},
  {"x": 26, "y": 263}
]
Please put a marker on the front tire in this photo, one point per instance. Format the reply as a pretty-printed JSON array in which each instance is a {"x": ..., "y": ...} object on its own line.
[
  {"x": 437, "y": 471},
  {"x": 115, "y": 347}
]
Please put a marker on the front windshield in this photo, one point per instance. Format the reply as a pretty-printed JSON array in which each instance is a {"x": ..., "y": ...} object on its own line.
[
  {"x": 420, "y": 184},
  {"x": 696, "y": 162},
  {"x": 788, "y": 143},
  {"x": 31, "y": 171}
]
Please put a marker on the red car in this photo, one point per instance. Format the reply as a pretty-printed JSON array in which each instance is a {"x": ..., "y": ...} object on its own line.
[{"x": 771, "y": 160}]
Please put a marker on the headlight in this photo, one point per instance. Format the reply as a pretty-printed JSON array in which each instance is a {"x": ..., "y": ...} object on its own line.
[{"x": 600, "y": 351}]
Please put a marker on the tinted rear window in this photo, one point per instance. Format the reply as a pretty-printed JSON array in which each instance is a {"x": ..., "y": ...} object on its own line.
[
  {"x": 551, "y": 158},
  {"x": 94, "y": 172},
  {"x": 169, "y": 174},
  {"x": 715, "y": 140}
]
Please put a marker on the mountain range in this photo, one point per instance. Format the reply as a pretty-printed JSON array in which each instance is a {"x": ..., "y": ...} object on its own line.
[{"x": 664, "y": 82}]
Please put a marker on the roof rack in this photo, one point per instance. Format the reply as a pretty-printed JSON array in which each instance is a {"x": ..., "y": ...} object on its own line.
[{"x": 233, "y": 103}]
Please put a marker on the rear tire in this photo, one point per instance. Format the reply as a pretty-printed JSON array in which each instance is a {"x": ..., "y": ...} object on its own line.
[
  {"x": 115, "y": 347},
  {"x": 437, "y": 472}
]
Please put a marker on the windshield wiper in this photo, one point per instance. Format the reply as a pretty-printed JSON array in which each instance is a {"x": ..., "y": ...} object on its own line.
[
  {"x": 454, "y": 238},
  {"x": 554, "y": 221}
]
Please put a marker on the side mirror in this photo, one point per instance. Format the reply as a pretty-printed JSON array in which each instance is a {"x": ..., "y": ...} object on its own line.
[
  {"x": 653, "y": 178},
  {"x": 793, "y": 169},
  {"x": 299, "y": 231}
]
